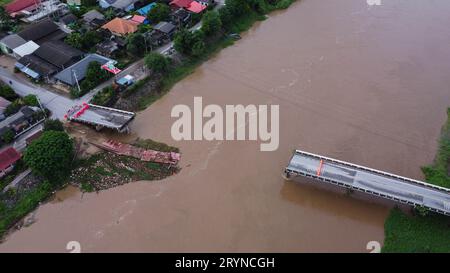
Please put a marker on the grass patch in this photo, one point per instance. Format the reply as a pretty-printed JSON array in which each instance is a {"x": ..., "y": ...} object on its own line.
[
  {"x": 27, "y": 203},
  {"x": 430, "y": 233},
  {"x": 154, "y": 145},
  {"x": 416, "y": 234},
  {"x": 438, "y": 173}
]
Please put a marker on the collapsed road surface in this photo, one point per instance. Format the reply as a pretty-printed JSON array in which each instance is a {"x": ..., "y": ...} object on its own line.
[{"x": 386, "y": 185}]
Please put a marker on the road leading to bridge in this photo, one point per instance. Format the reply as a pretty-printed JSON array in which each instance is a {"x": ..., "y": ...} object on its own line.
[{"x": 386, "y": 185}]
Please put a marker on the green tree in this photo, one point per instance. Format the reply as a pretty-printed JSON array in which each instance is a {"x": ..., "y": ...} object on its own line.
[
  {"x": 225, "y": 17},
  {"x": 30, "y": 100},
  {"x": 136, "y": 44},
  {"x": 185, "y": 41},
  {"x": 182, "y": 41},
  {"x": 211, "y": 23},
  {"x": 7, "y": 92},
  {"x": 53, "y": 125},
  {"x": 90, "y": 39},
  {"x": 237, "y": 8},
  {"x": 109, "y": 14},
  {"x": 156, "y": 62},
  {"x": 50, "y": 156},
  {"x": 198, "y": 48},
  {"x": 6, "y": 23},
  {"x": 75, "y": 39},
  {"x": 13, "y": 108},
  {"x": 158, "y": 13},
  {"x": 8, "y": 136}
]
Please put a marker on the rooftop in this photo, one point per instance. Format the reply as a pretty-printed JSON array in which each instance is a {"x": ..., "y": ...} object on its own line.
[
  {"x": 12, "y": 41},
  {"x": 165, "y": 27},
  {"x": 42, "y": 31},
  {"x": 92, "y": 15},
  {"x": 181, "y": 3},
  {"x": 121, "y": 26},
  {"x": 79, "y": 69},
  {"x": 19, "y": 5},
  {"x": 8, "y": 157},
  {"x": 58, "y": 53},
  {"x": 26, "y": 49}
]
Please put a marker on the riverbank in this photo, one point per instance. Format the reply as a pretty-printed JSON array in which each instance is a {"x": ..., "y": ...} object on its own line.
[
  {"x": 105, "y": 170},
  {"x": 152, "y": 88},
  {"x": 429, "y": 232}
]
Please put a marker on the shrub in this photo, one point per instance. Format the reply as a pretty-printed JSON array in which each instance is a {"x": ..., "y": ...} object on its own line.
[
  {"x": 158, "y": 13},
  {"x": 156, "y": 62},
  {"x": 8, "y": 136},
  {"x": 7, "y": 92},
  {"x": 30, "y": 100},
  {"x": 53, "y": 125},
  {"x": 211, "y": 23}
]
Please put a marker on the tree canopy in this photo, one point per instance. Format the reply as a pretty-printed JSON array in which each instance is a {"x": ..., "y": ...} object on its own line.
[
  {"x": 156, "y": 62},
  {"x": 189, "y": 43},
  {"x": 158, "y": 13},
  {"x": 50, "y": 156},
  {"x": 211, "y": 23},
  {"x": 136, "y": 44}
]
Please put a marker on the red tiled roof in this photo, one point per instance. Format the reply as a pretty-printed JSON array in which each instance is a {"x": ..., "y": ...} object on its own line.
[
  {"x": 7, "y": 157},
  {"x": 138, "y": 19},
  {"x": 19, "y": 5},
  {"x": 196, "y": 7},
  {"x": 181, "y": 3},
  {"x": 121, "y": 26}
]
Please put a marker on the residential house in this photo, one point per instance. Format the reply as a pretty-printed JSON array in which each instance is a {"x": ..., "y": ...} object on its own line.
[
  {"x": 176, "y": 4},
  {"x": 180, "y": 17},
  {"x": 59, "y": 54},
  {"x": 94, "y": 19},
  {"x": 10, "y": 42},
  {"x": 121, "y": 27},
  {"x": 3, "y": 104},
  {"x": 45, "y": 9},
  {"x": 77, "y": 72},
  {"x": 123, "y": 5},
  {"x": 50, "y": 58},
  {"x": 166, "y": 28},
  {"x": 25, "y": 49},
  {"x": 196, "y": 7},
  {"x": 107, "y": 48},
  {"x": 17, "y": 6},
  {"x": 18, "y": 121},
  {"x": 139, "y": 19},
  {"x": 155, "y": 38},
  {"x": 8, "y": 157},
  {"x": 41, "y": 32},
  {"x": 144, "y": 10}
]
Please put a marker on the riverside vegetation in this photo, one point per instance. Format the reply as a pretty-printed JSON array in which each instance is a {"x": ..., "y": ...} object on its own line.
[{"x": 424, "y": 231}]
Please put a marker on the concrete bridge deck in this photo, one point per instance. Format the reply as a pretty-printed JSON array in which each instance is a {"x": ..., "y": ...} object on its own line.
[{"x": 385, "y": 185}]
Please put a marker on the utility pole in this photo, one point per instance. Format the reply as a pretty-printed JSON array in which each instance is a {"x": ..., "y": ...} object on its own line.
[{"x": 76, "y": 80}]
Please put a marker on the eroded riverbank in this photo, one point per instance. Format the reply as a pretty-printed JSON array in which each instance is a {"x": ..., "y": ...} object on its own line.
[{"x": 365, "y": 85}]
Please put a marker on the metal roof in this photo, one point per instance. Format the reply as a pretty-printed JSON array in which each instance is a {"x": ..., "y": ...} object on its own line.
[
  {"x": 12, "y": 41},
  {"x": 26, "y": 49},
  {"x": 79, "y": 69}
]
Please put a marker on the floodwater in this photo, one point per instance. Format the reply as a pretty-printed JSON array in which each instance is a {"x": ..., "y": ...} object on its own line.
[{"x": 365, "y": 84}]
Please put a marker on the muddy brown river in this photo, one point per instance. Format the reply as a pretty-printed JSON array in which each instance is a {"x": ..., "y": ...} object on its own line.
[{"x": 364, "y": 84}]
